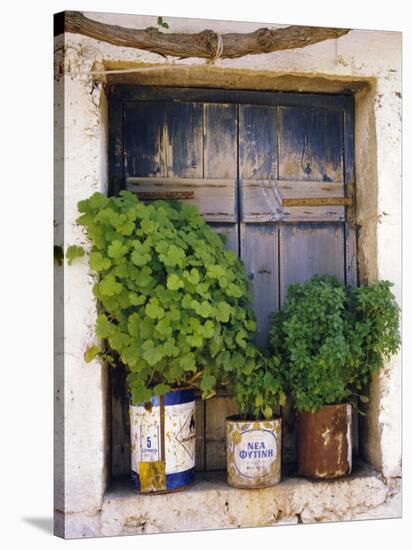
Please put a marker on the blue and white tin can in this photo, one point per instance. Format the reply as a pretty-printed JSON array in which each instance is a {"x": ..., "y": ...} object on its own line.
[
  {"x": 163, "y": 437},
  {"x": 253, "y": 452}
]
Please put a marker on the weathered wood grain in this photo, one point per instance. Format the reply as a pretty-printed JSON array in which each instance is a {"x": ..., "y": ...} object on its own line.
[
  {"x": 116, "y": 146},
  {"x": 205, "y": 44},
  {"x": 143, "y": 148},
  {"x": 127, "y": 93},
  {"x": 301, "y": 189},
  {"x": 235, "y": 142},
  {"x": 163, "y": 139},
  {"x": 215, "y": 198},
  {"x": 257, "y": 142},
  {"x": 220, "y": 161},
  {"x": 348, "y": 138},
  {"x": 350, "y": 226},
  {"x": 220, "y": 141},
  {"x": 183, "y": 139},
  {"x": 264, "y": 201},
  {"x": 306, "y": 249},
  {"x": 351, "y": 269},
  {"x": 200, "y": 435},
  {"x": 217, "y": 409},
  {"x": 257, "y": 162},
  {"x": 311, "y": 144},
  {"x": 230, "y": 233},
  {"x": 120, "y": 422},
  {"x": 260, "y": 254}
]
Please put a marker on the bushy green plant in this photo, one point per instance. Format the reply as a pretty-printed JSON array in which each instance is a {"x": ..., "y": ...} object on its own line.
[
  {"x": 257, "y": 388},
  {"x": 331, "y": 339},
  {"x": 174, "y": 302},
  {"x": 309, "y": 333},
  {"x": 373, "y": 321}
]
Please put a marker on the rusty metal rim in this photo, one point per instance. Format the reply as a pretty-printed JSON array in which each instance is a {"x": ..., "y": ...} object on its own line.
[{"x": 343, "y": 404}]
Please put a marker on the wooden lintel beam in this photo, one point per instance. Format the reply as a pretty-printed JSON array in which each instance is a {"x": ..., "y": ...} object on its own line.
[{"x": 207, "y": 44}]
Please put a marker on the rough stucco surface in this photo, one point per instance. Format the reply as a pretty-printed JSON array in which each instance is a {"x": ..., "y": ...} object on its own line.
[
  {"x": 215, "y": 505},
  {"x": 83, "y": 386},
  {"x": 368, "y": 62}
]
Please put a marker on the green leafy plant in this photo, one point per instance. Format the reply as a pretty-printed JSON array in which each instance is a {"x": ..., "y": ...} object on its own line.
[
  {"x": 331, "y": 339},
  {"x": 373, "y": 321},
  {"x": 174, "y": 302},
  {"x": 257, "y": 388},
  {"x": 162, "y": 23},
  {"x": 73, "y": 252}
]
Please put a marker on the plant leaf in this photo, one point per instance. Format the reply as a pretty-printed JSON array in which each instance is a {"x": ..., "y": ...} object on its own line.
[
  {"x": 91, "y": 353},
  {"x": 161, "y": 389},
  {"x": 73, "y": 252}
]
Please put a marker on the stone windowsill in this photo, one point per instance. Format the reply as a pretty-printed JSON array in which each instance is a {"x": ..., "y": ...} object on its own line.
[{"x": 211, "y": 504}]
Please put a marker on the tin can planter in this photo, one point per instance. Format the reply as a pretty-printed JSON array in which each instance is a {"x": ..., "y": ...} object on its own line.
[
  {"x": 163, "y": 442},
  {"x": 253, "y": 452},
  {"x": 325, "y": 442}
]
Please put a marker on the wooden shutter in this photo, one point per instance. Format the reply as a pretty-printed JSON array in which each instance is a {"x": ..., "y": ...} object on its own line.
[
  {"x": 272, "y": 171},
  {"x": 292, "y": 171}
]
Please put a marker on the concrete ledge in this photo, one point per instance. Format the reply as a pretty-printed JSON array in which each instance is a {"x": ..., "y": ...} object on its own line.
[{"x": 211, "y": 504}]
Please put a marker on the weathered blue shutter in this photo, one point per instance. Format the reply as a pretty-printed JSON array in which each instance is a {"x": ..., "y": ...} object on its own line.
[{"x": 270, "y": 171}]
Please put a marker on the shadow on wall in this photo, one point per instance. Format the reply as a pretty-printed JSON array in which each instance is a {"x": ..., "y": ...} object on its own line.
[{"x": 43, "y": 524}]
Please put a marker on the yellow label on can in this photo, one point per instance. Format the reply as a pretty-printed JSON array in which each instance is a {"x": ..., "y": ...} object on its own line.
[{"x": 152, "y": 476}]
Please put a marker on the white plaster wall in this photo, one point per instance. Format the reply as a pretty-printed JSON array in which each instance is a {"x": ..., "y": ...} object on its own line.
[
  {"x": 361, "y": 55},
  {"x": 388, "y": 130},
  {"x": 83, "y": 385}
]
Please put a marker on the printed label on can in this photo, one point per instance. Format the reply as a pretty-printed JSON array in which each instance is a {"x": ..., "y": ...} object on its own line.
[
  {"x": 180, "y": 436},
  {"x": 254, "y": 452},
  {"x": 149, "y": 444},
  {"x": 145, "y": 435}
]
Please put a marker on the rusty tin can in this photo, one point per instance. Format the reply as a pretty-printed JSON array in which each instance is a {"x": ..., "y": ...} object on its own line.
[
  {"x": 325, "y": 442},
  {"x": 163, "y": 442},
  {"x": 253, "y": 452}
]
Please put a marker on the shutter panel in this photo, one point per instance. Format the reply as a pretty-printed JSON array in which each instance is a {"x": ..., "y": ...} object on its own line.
[
  {"x": 188, "y": 151},
  {"x": 260, "y": 202},
  {"x": 302, "y": 253},
  {"x": 163, "y": 139},
  {"x": 270, "y": 171},
  {"x": 185, "y": 151},
  {"x": 311, "y": 166},
  {"x": 310, "y": 144}
]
